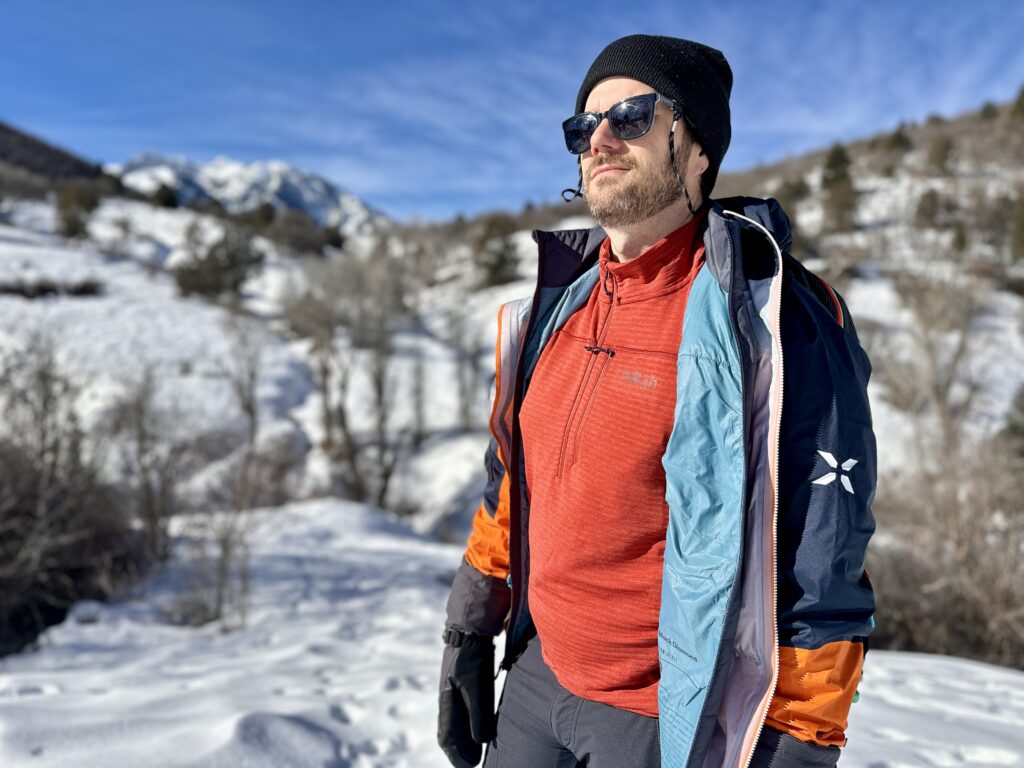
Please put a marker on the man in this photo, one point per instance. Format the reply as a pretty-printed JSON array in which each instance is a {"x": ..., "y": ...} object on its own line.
[{"x": 682, "y": 464}]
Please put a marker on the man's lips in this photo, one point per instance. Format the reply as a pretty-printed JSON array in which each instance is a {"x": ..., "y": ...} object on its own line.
[{"x": 605, "y": 168}]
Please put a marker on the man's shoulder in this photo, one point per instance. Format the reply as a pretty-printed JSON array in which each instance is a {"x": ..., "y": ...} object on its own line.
[
  {"x": 764, "y": 212},
  {"x": 760, "y": 261}
]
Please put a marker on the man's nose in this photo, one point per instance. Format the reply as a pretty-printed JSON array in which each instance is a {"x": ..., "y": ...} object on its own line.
[{"x": 603, "y": 140}]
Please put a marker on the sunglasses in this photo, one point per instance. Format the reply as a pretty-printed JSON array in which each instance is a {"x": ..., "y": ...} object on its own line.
[{"x": 629, "y": 119}]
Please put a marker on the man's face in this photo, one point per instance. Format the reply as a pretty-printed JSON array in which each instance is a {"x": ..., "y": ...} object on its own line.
[{"x": 629, "y": 181}]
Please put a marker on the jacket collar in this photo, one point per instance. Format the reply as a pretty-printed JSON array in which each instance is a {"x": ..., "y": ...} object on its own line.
[{"x": 566, "y": 254}]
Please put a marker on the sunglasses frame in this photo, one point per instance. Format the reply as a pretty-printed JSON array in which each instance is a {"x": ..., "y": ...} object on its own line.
[{"x": 655, "y": 101}]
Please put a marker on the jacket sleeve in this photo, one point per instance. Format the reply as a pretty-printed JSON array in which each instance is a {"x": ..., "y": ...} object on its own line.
[
  {"x": 480, "y": 596},
  {"x": 827, "y": 482}
]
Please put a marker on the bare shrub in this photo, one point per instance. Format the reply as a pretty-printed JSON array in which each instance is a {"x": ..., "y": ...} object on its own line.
[
  {"x": 843, "y": 262},
  {"x": 229, "y": 528},
  {"x": 297, "y": 231},
  {"x": 222, "y": 268},
  {"x": 153, "y": 462},
  {"x": 426, "y": 250},
  {"x": 64, "y": 532},
  {"x": 940, "y": 153},
  {"x": 988, "y": 219},
  {"x": 75, "y": 201},
  {"x": 954, "y": 582},
  {"x": 951, "y": 578},
  {"x": 43, "y": 287},
  {"x": 419, "y": 383},
  {"x": 935, "y": 210},
  {"x": 218, "y": 530},
  {"x": 462, "y": 338},
  {"x": 351, "y": 311},
  {"x": 496, "y": 256}
]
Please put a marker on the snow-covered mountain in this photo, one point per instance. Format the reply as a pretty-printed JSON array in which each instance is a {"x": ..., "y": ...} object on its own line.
[{"x": 244, "y": 186}]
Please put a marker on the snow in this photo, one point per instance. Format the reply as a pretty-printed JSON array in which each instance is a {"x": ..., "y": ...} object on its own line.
[
  {"x": 339, "y": 664},
  {"x": 337, "y": 667}
]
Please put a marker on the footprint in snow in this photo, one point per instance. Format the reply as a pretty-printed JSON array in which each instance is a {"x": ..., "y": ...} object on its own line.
[
  {"x": 30, "y": 689},
  {"x": 337, "y": 712}
]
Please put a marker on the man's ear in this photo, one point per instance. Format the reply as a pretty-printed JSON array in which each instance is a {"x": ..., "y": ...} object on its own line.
[{"x": 703, "y": 159}]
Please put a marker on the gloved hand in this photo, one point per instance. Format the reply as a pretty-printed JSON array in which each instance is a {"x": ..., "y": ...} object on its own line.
[{"x": 466, "y": 709}]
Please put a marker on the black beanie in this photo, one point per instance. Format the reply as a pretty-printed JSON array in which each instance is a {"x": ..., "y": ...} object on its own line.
[{"x": 695, "y": 76}]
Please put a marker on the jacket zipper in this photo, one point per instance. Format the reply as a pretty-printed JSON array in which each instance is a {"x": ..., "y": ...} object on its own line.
[{"x": 776, "y": 347}]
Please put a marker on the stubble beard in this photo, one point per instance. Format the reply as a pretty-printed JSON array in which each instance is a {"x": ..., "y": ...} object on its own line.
[{"x": 644, "y": 195}]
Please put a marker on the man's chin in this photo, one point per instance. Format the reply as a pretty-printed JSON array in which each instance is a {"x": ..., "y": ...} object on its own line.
[{"x": 601, "y": 194}]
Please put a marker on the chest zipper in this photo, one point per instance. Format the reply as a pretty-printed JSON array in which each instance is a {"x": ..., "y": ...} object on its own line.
[{"x": 610, "y": 285}]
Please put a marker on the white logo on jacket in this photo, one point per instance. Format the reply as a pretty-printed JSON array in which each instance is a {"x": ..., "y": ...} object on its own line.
[{"x": 830, "y": 477}]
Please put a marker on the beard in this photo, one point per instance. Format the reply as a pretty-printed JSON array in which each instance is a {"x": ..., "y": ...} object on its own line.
[{"x": 645, "y": 194}]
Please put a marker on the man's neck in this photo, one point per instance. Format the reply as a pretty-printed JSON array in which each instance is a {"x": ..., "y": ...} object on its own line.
[{"x": 629, "y": 242}]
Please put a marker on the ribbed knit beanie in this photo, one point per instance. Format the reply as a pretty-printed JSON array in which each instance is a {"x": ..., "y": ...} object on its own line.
[{"x": 695, "y": 76}]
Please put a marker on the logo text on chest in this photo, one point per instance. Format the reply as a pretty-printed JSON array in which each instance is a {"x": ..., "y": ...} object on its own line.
[{"x": 637, "y": 379}]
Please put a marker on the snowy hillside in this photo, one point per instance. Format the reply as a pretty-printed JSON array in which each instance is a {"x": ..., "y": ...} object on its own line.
[
  {"x": 339, "y": 668},
  {"x": 140, "y": 321},
  {"x": 244, "y": 186}
]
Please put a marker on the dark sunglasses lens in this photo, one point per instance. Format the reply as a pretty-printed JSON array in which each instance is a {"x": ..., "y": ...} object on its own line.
[
  {"x": 578, "y": 129},
  {"x": 632, "y": 118}
]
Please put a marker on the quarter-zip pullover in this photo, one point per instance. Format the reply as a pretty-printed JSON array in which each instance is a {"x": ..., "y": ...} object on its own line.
[{"x": 594, "y": 425}]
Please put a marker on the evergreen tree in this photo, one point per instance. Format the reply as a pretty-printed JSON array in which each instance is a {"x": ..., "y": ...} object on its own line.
[
  {"x": 75, "y": 201},
  {"x": 165, "y": 197},
  {"x": 1017, "y": 229},
  {"x": 1018, "y": 107},
  {"x": 840, "y": 197},
  {"x": 1014, "y": 429},
  {"x": 497, "y": 257},
  {"x": 220, "y": 269},
  {"x": 960, "y": 239},
  {"x": 837, "y": 167},
  {"x": 898, "y": 140},
  {"x": 939, "y": 154}
]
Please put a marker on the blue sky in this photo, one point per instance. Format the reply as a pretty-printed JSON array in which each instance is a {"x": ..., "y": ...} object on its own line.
[{"x": 430, "y": 108}]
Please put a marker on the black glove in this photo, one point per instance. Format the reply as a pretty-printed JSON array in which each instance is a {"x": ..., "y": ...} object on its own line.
[{"x": 466, "y": 713}]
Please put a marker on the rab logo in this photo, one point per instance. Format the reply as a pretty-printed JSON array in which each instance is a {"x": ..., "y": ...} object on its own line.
[{"x": 637, "y": 379}]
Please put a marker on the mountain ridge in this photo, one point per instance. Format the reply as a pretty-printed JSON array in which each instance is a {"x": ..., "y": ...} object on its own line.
[{"x": 241, "y": 187}]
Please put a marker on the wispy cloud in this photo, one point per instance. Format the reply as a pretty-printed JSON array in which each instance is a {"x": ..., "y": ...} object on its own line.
[{"x": 451, "y": 106}]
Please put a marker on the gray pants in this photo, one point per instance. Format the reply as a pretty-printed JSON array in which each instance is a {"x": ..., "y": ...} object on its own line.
[{"x": 542, "y": 725}]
